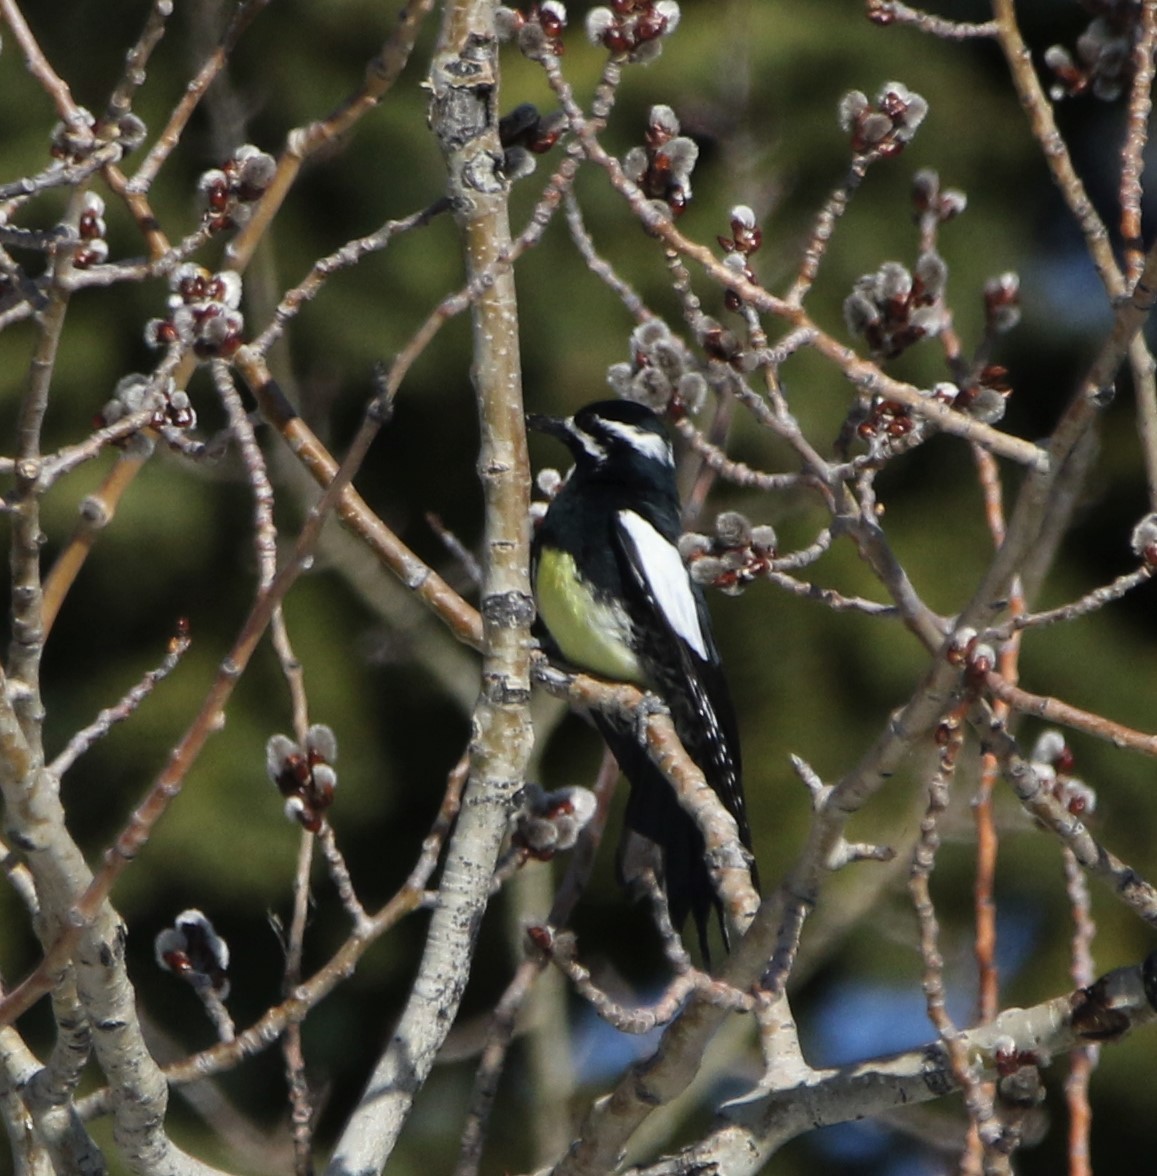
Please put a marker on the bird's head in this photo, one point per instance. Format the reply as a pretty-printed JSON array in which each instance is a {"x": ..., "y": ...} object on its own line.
[{"x": 614, "y": 438}]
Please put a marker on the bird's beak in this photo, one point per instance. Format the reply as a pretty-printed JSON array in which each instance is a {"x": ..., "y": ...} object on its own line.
[{"x": 560, "y": 427}]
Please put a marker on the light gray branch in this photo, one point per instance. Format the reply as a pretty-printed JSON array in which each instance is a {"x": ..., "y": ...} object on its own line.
[
  {"x": 464, "y": 116},
  {"x": 750, "y": 1130}
]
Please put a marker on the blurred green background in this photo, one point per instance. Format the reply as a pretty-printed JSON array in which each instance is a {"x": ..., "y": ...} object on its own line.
[{"x": 757, "y": 85}]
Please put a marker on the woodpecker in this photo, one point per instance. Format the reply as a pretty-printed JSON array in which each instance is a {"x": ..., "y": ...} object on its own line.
[{"x": 615, "y": 599}]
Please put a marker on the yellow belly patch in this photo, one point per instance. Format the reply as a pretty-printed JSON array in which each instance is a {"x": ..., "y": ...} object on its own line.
[{"x": 591, "y": 634}]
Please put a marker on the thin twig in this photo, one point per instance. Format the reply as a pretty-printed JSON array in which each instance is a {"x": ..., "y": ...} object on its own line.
[
  {"x": 1136, "y": 138},
  {"x": 301, "y": 1110},
  {"x": 888, "y": 12},
  {"x": 125, "y": 709},
  {"x": 207, "y": 720},
  {"x": 1083, "y": 1059},
  {"x": 1053, "y": 710},
  {"x": 50, "y": 81},
  {"x": 977, "y": 1099},
  {"x": 272, "y": 1023}
]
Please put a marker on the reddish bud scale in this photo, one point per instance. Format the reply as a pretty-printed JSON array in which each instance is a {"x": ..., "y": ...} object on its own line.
[
  {"x": 178, "y": 962},
  {"x": 650, "y": 25},
  {"x": 720, "y": 344},
  {"x": 965, "y": 397},
  {"x": 309, "y": 820},
  {"x": 995, "y": 376},
  {"x": 550, "y": 21},
  {"x": 1007, "y": 1062},
  {"x": 616, "y": 41},
  {"x": 541, "y": 937},
  {"x": 658, "y": 175},
  {"x": 541, "y": 144},
  {"x": 893, "y": 106},
  {"x": 956, "y": 656}
]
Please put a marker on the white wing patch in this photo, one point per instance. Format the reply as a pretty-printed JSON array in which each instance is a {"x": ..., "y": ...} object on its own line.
[{"x": 664, "y": 575}]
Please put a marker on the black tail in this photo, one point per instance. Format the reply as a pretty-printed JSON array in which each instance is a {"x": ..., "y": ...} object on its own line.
[{"x": 654, "y": 812}]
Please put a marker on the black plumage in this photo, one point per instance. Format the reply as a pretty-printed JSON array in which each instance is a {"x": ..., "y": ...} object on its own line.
[{"x": 636, "y": 615}]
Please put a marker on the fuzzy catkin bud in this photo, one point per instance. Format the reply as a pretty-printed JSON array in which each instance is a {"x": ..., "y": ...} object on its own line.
[
  {"x": 663, "y": 120},
  {"x": 764, "y": 539},
  {"x": 320, "y": 741},
  {"x": 707, "y": 569},
  {"x": 192, "y": 949},
  {"x": 925, "y": 188},
  {"x": 852, "y": 106},
  {"x": 1144, "y": 539},
  {"x": 894, "y": 282},
  {"x": 733, "y": 529},
  {"x": 692, "y": 545},
  {"x": 952, "y": 203},
  {"x": 932, "y": 271},
  {"x": 599, "y": 22},
  {"x": 1049, "y": 747},
  {"x": 548, "y": 481}
]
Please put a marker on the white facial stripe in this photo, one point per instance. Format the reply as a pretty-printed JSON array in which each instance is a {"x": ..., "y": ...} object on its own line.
[
  {"x": 593, "y": 449},
  {"x": 665, "y": 577},
  {"x": 643, "y": 441}
]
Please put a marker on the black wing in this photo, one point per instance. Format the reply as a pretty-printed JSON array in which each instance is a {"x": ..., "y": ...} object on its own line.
[{"x": 677, "y": 646}]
